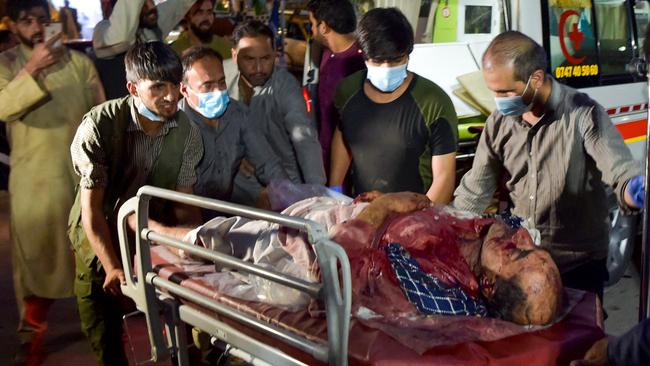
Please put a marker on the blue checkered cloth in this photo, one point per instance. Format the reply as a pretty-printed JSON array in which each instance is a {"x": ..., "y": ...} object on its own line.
[{"x": 427, "y": 293}]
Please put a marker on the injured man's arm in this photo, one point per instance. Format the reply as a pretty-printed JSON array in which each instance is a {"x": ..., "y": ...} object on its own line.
[{"x": 481, "y": 265}]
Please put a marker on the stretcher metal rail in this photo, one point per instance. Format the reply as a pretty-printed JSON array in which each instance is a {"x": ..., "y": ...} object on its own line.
[{"x": 158, "y": 298}]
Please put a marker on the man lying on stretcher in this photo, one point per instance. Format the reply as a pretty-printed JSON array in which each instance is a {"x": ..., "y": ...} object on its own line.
[{"x": 407, "y": 258}]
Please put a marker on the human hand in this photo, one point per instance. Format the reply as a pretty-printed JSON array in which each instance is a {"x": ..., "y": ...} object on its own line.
[
  {"x": 114, "y": 278},
  {"x": 382, "y": 206},
  {"x": 368, "y": 196},
  {"x": 246, "y": 168},
  {"x": 44, "y": 54},
  {"x": 595, "y": 356},
  {"x": 263, "y": 200},
  {"x": 636, "y": 191}
]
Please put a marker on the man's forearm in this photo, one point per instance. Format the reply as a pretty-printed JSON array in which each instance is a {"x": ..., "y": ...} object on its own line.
[
  {"x": 340, "y": 160},
  {"x": 441, "y": 190},
  {"x": 99, "y": 236},
  {"x": 19, "y": 96}
]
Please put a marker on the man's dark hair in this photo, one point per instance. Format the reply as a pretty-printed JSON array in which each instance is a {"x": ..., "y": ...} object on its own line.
[
  {"x": 152, "y": 61},
  {"x": 252, "y": 28},
  {"x": 337, "y": 14},
  {"x": 508, "y": 296},
  {"x": 196, "y": 53},
  {"x": 15, "y": 7},
  {"x": 526, "y": 55},
  {"x": 385, "y": 35}
]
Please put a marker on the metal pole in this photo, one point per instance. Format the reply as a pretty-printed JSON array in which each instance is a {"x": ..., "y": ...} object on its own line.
[{"x": 645, "y": 251}]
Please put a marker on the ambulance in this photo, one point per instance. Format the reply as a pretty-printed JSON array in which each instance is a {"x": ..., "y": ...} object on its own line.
[{"x": 592, "y": 45}]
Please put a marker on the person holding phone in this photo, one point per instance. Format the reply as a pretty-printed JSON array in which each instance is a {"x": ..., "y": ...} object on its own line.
[{"x": 44, "y": 93}]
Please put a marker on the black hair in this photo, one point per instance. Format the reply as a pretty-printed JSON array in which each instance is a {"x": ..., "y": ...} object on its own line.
[
  {"x": 15, "y": 7},
  {"x": 385, "y": 35},
  {"x": 337, "y": 14},
  {"x": 526, "y": 55},
  {"x": 5, "y": 36},
  {"x": 252, "y": 28},
  {"x": 152, "y": 61},
  {"x": 193, "y": 54},
  {"x": 508, "y": 296}
]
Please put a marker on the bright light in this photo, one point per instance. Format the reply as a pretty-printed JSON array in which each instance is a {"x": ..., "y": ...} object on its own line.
[{"x": 622, "y": 48}]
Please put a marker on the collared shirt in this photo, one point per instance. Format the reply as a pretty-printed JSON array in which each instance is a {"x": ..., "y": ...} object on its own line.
[
  {"x": 278, "y": 111},
  {"x": 91, "y": 163},
  {"x": 555, "y": 173},
  {"x": 224, "y": 148}
]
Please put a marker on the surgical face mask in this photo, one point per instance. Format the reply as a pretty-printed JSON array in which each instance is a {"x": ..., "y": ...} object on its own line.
[
  {"x": 515, "y": 105},
  {"x": 146, "y": 112},
  {"x": 387, "y": 79},
  {"x": 212, "y": 104}
]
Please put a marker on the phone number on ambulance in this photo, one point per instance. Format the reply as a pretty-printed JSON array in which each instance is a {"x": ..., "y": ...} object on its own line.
[{"x": 575, "y": 71}]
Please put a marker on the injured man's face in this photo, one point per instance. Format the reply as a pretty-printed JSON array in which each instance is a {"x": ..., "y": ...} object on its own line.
[{"x": 520, "y": 282}]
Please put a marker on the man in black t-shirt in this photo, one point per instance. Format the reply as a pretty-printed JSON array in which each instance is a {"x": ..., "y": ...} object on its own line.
[{"x": 398, "y": 130}]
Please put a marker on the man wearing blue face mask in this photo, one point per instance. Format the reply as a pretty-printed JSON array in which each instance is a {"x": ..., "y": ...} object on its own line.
[
  {"x": 227, "y": 137},
  {"x": 397, "y": 131},
  {"x": 558, "y": 148}
]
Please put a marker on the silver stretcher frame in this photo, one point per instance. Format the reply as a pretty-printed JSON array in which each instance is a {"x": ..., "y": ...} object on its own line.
[{"x": 156, "y": 296}]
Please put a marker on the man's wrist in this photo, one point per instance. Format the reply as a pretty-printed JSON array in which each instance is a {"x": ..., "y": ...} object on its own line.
[{"x": 31, "y": 69}]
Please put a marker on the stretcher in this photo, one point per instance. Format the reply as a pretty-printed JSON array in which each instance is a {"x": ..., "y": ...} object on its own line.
[{"x": 170, "y": 298}]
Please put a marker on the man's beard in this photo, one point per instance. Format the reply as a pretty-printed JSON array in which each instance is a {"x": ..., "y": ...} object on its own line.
[
  {"x": 30, "y": 42},
  {"x": 205, "y": 36}
]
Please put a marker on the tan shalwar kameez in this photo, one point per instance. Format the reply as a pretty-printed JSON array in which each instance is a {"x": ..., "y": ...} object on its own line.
[{"x": 42, "y": 115}]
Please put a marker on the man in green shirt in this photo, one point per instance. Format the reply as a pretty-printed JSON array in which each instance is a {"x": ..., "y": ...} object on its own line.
[
  {"x": 120, "y": 146},
  {"x": 199, "y": 20}
]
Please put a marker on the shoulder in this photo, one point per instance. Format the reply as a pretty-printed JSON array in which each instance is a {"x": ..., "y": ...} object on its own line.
[
  {"x": 426, "y": 91},
  {"x": 180, "y": 44},
  {"x": 109, "y": 112},
  {"x": 282, "y": 77},
  {"x": 579, "y": 107},
  {"x": 432, "y": 100},
  {"x": 348, "y": 87},
  {"x": 81, "y": 59}
]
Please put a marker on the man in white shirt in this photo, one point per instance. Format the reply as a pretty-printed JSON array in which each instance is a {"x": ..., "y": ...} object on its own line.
[{"x": 125, "y": 23}]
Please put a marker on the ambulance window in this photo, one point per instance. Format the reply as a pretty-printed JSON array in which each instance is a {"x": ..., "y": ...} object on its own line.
[
  {"x": 571, "y": 42},
  {"x": 478, "y": 19},
  {"x": 642, "y": 18},
  {"x": 614, "y": 37}
]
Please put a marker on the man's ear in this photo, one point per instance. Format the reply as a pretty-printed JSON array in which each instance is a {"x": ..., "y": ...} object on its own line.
[
  {"x": 538, "y": 78},
  {"x": 233, "y": 53},
  {"x": 12, "y": 27},
  {"x": 132, "y": 88},
  {"x": 487, "y": 280},
  {"x": 324, "y": 28},
  {"x": 184, "y": 90}
]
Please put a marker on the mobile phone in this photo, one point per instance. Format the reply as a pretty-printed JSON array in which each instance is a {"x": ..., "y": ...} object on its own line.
[{"x": 52, "y": 30}]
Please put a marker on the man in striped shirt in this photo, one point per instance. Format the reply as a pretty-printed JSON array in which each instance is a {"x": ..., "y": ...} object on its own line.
[
  {"x": 557, "y": 149},
  {"x": 120, "y": 146}
]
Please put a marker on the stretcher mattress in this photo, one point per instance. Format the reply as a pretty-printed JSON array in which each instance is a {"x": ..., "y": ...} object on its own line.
[{"x": 557, "y": 344}]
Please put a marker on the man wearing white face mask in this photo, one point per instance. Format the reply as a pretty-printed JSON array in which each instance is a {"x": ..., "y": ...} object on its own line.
[
  {"x": 397, "y": 130},
  {"x": 227, "y": 137},
  {"x": 558, "y": 148}
]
